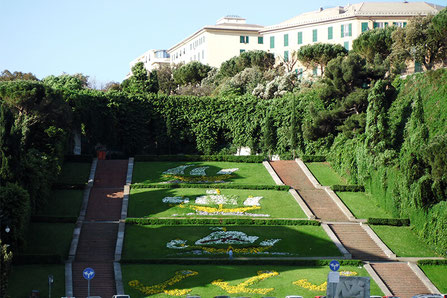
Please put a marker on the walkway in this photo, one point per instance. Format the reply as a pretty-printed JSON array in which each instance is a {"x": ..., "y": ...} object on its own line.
[
  {"x": 97, "y": 241},
  {"x": 398, "y": 277}
]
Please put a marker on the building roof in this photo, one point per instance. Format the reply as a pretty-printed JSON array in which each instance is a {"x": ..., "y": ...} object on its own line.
[{"x": 379, "y": 9}]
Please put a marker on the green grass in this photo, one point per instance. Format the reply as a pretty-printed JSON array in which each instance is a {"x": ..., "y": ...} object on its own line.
[
  {"x": 363, "y": 205},
  {"x": 145, "y": 242},
  {"x": 325, "y": 174},
  {"x": 148, "y": 202},
  {"x": 403, "y": 241},
  {"x": 25, "y": 278},
  {"x": 438, "y": 275},
  {"x": 248, "y": 173},
  {"x": 63, "y": 203},
  {"x": 49, "y": 238},
  {"x": 200, "y": 284},
  {"x": 74, "y": 173}
]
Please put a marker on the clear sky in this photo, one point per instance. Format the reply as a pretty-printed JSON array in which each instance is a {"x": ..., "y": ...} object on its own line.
[{"x": 100, "y": 37}]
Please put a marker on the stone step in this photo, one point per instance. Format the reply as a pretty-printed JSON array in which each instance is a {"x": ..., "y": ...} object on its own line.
[
  {"x": 110, "y": 173},
  {"x": 97, "y": 242},
  {"x": 400, "y": 279},
  {"x": 103, "y": 284},
  {"x": 105, "y": 204},
  {"x": 358, "y": 242}
]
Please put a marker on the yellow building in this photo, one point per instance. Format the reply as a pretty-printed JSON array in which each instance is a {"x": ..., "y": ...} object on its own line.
[
  {"x": 340, "y": 24},
  {"x": 217, "y": 43}
]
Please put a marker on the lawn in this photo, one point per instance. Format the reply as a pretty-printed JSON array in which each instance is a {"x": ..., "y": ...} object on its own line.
[
  {"x": 49, "y": 238},
  {"x": 74, "y": 173},
  {"x": 63, "y": 203},
  {"x": 149, "y": 203},
  {"x": 438, "y": 275},
  {"x": 278, "y": 282},
  {"x": 407, "y": 244},
  {"x": 247, "y": 173},
  {"x": 363, "y": 205},
  {"x": 25, "y": 278},
  {"x": 145, "y": 242},
  {"x": 325, "y": 174}
]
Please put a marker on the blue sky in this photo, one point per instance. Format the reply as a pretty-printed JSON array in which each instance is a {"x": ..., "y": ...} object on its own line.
[{"x": 100, "y": 37}]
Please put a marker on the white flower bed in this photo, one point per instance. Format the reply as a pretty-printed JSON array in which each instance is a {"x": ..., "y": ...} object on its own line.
[
  {"x": 175, "y": 200},
  {"x": 204, "y": 213},
  {"x": 227, "y": 171},
  {"x": 252, "y": 201},
  {"x": 211, "y": 191},
  {"x": 216, "y": 200},
  {"x": 227, "y": 237},
  {"x": 180, "y": 170},
  {"x": 198, "y": 171},
  {"x": 269, "y": 242},
  {"x": 177, "y": 244}
]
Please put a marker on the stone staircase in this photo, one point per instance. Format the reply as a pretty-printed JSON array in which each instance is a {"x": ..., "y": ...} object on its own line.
[
  {"x": 400, "y": 279},
  {"x": 358, "y": 242},
  {"x": 97, "y": 240}
]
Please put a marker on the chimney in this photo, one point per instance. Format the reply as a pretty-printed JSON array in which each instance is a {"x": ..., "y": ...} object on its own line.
[{"x": 321, "y": 9}]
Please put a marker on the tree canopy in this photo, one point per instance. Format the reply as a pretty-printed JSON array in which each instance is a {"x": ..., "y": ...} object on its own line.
[{"x": 319, "y": 54}]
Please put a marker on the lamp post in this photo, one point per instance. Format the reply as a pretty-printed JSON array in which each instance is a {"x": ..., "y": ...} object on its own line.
[
  {"x": 2, "y": 265},
  {"x": 50, "y": 282}
]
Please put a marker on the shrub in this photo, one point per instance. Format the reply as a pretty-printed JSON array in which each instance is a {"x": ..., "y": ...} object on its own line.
[
  {"x": 228, "y": 158},
  {"x": 221, "y": 221},
  {"x": 389, "y": 221},
  {"x": 78, "y": 158},
  {"x": 27, "y": 259},
  {"x": 432, "y": 262},
  {"x": 68, "y": 186},
  {"x": 220, "y": 185},
  {"x": 351, "y": 188},
  {"x": 54, "y": 219}
]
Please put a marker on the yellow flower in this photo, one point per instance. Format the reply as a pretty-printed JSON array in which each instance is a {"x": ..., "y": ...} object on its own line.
[
  {"x": 307, "y": 285},
  {"x": 161, "y": 287}
]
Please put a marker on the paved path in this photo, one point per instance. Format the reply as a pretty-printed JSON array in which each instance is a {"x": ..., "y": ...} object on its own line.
[
  {"x": 96, "y": 247},
  {"x": 398, "y": 277}
]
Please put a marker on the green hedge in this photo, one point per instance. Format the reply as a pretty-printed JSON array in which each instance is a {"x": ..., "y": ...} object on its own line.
[
  {"x": 299, "y": 263},
  {"x": 78, "y": 158},
  {"x": 68, "y": 186},
  {"x": 223, "y": 221},
  {"x": 228, "y": 158},
  {"x": 29, "y": 259},
  {"x": 313, "y": 158},
  {"x": 204, "y": 185},
  {"x": 352, "y": 188},
  {"x": 432, "y": 262},
  {"x": 389, "y": 221},
  {"x": 54, "y": 219}
]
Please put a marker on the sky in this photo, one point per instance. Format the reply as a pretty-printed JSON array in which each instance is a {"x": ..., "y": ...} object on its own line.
[{"x": 100, "y": 37}]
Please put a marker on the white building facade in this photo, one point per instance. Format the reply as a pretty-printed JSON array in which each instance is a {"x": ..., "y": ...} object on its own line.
[
  {"x": 151, "y": 59},
  {"x": 339, "y": 25},
  {"x": 217, "y": 43}
]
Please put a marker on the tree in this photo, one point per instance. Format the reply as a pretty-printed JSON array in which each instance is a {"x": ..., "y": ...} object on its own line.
[
  {"x": 191, "y": 73},
  {"x": 291, "y": 61},
  {"x": 17, "y": 75},
  {"x": 112, "y": 86},
  {"x": 319, "y": 54},
  {"x": 374, "y": 42},
  {"x": 269, "y": 140},
  {"x": 250, "y": 59},
  {"x": 5, "y": 267},
  {"x": 166, "y": 84},
  {"x": 424, "y": 40},
  {"x": 65, "y": 81},
  {"x": 141, "y": 81}
]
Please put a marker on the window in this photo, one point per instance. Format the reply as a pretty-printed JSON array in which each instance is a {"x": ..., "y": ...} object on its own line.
[
  {"x": 300, "y": 37},
  {"x": 286, "y": 56},
  {"x": 315, "y": 71},
  {"x": 346, "y": 30},
  {"x": 400, "y": 24},
  {"x": 417, "y": 67},
  {"x": 330, "y": 33},
  {"x": 260, "y": 39},
  {"x": 244, "y": 39},
  {"x": 365, "y": 26},
  {"x": 314, "y": 35},
  {"x": 286, "y": 40},
  {"x": 241, "y": 51},
  {"x": 203, "y": 54},
  {"x": 299, "y": 72},
  {"x": 346, "y": 45},
  {"x": 272, "y": 42},
  {"x": 380, "y": 25}
]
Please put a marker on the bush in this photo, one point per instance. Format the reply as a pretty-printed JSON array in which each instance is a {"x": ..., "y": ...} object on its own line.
[
  {"x": 389, "y": 221},
  {"x": 298, "y": 263},
  {"x": 222, "y": 221},
  {"x": 68, "y": 186},
  {"x": 432, "y": 262},
  {"x": 228, "y": 158},
  {"x": 28, "y": 259},
  {"x": 54, "y": 219},
  {"x": 351, "y": 188},
  {"x": 220, "y": 185},
  {"x": 313, "y": 158},
  {"x": 78, "y": 158}
]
